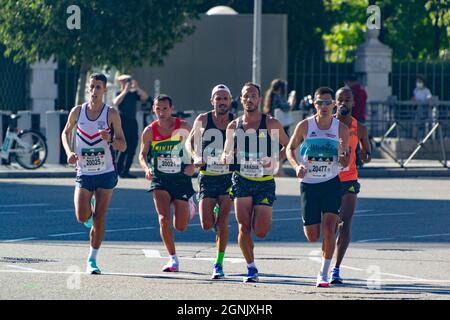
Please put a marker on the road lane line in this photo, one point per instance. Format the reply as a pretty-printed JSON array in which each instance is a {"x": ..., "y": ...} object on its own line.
[
  {"x": 432, "y": 235},
  {"x": 22, "y": 268},
  {"x": 130, "y": 229},
  {"x": 18, "y": 240},
  {"x": 374, "y": 240},
  {"x": 65, "y": 234},
  {"x": 24, "y": 205}
]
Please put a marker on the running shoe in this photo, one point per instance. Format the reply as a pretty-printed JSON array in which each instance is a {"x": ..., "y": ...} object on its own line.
[
  {"x": 92, "y": 267},
  {"x": 192, "y": 207},
  {"x": 252, "y": 275},
  {"x": 322, "y": 281},
  {"x": 171, "y": 266},
  {"x": 217, "y": 272},
  {"x": 88, "y": 224},
  {"x": 335, "y": 277}
]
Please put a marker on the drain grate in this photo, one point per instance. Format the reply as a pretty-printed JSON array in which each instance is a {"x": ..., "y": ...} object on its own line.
[{"x": 25, "y": 260}]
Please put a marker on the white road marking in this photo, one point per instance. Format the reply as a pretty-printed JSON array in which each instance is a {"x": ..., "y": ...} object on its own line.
[
  {"x": 359, "y": 216},
  {"x": 176, "y": 275},
  {"x": 381, "y": 273},
  {"x": 385, "y": 214},
  {"x": 432, "y": 235},
  {"x": 130, "y": 229},
  {"x": 73, "y": 210},
  {"x": 374, "y": 240},
  {"x": 152, "y": 253},
  {"x": 65, "y": 234},
  {"x": 157, "y": 255},
  {"x": 22, "y": 268},
  {"x": 18, "y": 240},
  {"x": 25, "y": 205}
]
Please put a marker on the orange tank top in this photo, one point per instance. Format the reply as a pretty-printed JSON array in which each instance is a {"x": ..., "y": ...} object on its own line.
[{"x": 350, "y": 173}]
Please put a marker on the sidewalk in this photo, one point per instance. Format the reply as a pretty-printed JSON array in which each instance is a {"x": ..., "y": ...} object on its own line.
[{"x": 378, "y": 168}]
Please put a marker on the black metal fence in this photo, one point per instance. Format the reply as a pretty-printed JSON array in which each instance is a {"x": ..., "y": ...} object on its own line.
[
  {"x": 413, "y": 120},
  {"x": 437, "y": 74},
  {"x": 67, "y": 81},
  {"x": 310, "y": 70},
  {"x": 14, "y": 84}
]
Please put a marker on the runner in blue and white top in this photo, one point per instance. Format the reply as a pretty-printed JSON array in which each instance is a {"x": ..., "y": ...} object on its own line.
[{"x": 323, "y": 142}]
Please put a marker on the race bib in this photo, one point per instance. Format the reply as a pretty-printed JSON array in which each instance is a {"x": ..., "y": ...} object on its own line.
[
  {"x": 169, "y": 164},
  {"x": 93, "y": 160},
  {"x": 214, "y": 165},
  {"x": 320, "y": 167},
  {"x": 252, "y": 169}
]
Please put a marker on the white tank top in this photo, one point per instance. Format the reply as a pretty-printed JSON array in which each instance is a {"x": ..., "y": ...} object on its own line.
[
  {"x": 319, "y": 152},
  {"x": 94, "y": 153}
]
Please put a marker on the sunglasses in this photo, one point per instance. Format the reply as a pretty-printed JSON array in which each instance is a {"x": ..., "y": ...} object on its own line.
[{"x": 323, "y": 102}]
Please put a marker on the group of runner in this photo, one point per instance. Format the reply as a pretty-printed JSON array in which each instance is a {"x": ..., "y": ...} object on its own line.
[{"x": 237, "y": 159}]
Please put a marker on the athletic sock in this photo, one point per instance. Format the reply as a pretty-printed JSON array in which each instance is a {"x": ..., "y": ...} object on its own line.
[
  {"x": 174, "y": 259},
  {"x": 92, "y": 254},
  {"x": 251, "y": 265},
  {"x": 325, "y": 266},
  {"x": 220, "y": 256}
]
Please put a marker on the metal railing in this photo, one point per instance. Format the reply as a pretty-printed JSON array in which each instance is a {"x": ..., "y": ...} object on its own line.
[{"x": 410, "y": 120}]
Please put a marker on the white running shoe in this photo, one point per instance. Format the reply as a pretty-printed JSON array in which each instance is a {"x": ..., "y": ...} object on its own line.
[{"x": 322, "y": 281}]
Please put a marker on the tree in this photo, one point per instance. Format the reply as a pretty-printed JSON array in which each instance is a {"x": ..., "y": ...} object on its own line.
[
  {"x": 121, "y": 34},
  {"x": 414, "y": 29}
]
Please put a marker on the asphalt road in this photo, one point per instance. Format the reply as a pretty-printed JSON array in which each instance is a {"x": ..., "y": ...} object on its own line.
[{"x": 400, "y": 247}]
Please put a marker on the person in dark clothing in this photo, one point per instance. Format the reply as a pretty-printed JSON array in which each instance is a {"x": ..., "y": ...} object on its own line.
[
  {"x": 126, "y": 101},
  {"x": 360, "y": 95}
]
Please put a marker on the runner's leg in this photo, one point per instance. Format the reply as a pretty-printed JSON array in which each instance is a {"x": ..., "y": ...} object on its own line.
[
  {"x": 244, "y": 210},
  {"x": 82, "y": 201},
  {"x": 347, "y": 210},
  {"x": 162, "y": 204}
]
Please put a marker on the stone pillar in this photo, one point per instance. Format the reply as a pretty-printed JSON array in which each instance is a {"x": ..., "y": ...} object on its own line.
[
  {"x": 374, "y": 63},
  {"x": 43, "y": 88}
]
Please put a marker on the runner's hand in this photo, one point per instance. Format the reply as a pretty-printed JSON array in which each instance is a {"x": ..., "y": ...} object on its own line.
[
  {"x": 149, "y": 174},
  {"x": 266, "y": 162},
  {"x": 189, "y": 170},
  {"x": 198, "y": 162},
  {"x": 105, "y": 135},
  {"x": 300, "y": 171},
  {"x": 72, "y": 158}
]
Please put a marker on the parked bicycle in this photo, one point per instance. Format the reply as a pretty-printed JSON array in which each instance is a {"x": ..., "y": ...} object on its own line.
[{"x": 27, "y": 147}]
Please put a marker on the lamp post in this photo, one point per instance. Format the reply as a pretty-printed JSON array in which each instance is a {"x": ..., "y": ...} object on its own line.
[{"x": 257, "y": 16}]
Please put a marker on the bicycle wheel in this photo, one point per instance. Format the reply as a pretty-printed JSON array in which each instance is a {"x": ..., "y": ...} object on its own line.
[{"x": 31, "y": 150}]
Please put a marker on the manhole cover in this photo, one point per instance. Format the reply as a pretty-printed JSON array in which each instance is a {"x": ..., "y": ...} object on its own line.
[{"x": 25, "y": 260}]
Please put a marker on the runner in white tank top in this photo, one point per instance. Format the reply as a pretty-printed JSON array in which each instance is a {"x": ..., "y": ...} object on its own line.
[
  {"x": 323, "y": 142},
  {"x": 94, "y": 153},
  {"x": 319, "y": 152},
  {"x": 96, "y": 174}
]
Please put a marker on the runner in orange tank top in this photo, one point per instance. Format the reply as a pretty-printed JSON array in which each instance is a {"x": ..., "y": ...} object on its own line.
[{"x": 358, "y": 134}]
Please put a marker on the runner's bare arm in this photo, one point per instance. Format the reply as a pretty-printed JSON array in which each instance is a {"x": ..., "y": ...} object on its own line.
[
  {"x": 118, "y": 140},
  {"x": 296, "y": 140},
  {"x": 146, "y": 140},
  {"x": 344, "y": 154},
  {"x": 195, "y": 140},
  {"x": 228, "y": 149},
  {"x": 274, "y": 124},
  {"x": 364, "y": 144},
  {"x": 184, "y": 131},
  {"x": 66, "y": 135}
]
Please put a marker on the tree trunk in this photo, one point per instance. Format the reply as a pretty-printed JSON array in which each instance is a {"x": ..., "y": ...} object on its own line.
[{"x": 81, "y": 89}]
